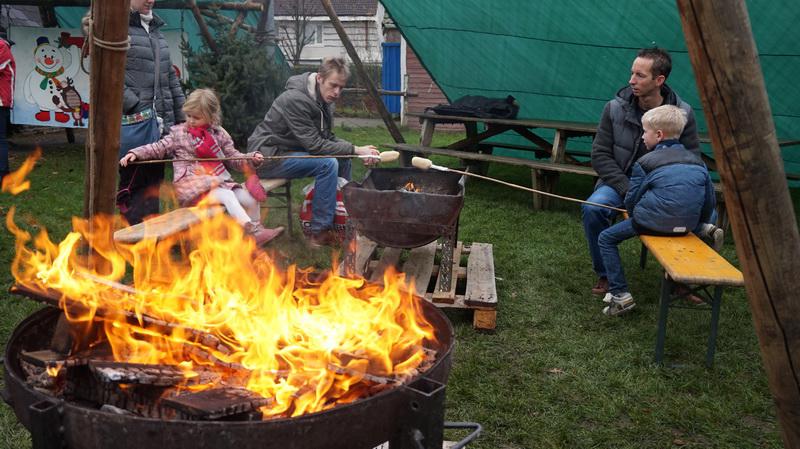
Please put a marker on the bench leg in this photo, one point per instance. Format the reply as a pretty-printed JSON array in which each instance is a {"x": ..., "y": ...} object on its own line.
[
  {"x": 643, "y": 257},
  {"x": 663, "y": 310},
  {"x": 712, "y": 337}
]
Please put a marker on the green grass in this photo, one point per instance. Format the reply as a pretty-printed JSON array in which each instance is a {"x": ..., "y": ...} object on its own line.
[{"x": 556, "y": 373}]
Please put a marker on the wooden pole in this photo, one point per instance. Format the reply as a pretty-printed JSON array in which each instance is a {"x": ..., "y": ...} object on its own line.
[
  {"x": 371, "y": 90},
  {"x": 110, "y": 24},
  {"x": 731, "y": 85},
  {"x": 212, "y": 44}
]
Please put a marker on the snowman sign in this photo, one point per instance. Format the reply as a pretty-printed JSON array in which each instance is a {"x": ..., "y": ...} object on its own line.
[{"x": 55, "y": 89}]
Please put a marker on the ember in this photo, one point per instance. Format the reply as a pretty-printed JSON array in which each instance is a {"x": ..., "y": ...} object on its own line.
[
  {"x": 409, "y": 187},
  {"x": 222, "y": 320}
]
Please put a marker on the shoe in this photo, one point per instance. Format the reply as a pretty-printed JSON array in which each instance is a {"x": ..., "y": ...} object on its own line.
[
  {"x": 261, "y": 234},
  {"x": 620, "y": 303},
  {"x": 713, "y": 236},
  {"x": 601, "y": 287},
  {"x": 608, "y": 298},
  {"x": 322, "y": 238},
  {"x": 684, "y": 291}
]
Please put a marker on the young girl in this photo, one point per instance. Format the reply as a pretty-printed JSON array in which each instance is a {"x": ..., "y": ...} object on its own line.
[{"x": 201, "y": 136}]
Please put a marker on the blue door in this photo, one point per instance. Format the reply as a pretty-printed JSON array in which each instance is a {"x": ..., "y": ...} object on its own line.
[{"x": 390, "y": 75}]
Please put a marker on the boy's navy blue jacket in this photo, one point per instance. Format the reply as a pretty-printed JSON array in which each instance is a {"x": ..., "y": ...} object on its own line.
[{"x": 670, "y": 191}]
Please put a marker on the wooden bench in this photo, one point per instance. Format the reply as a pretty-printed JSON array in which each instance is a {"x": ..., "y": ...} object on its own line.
[
  {"x": 688, "y": 260},
  {"x": 279, "y": 188},
  {"x": 167, "y": 224}
]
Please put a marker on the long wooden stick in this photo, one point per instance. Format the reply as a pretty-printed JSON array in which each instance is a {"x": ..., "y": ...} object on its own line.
[
  {"x": 425, "y": 164},
  {"x": 241, "y": 158}
]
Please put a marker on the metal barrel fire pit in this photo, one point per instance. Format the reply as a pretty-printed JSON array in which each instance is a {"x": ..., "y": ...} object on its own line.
[
  {"x": 405, "y": 207},
  {"x": 410, "y": 415}
]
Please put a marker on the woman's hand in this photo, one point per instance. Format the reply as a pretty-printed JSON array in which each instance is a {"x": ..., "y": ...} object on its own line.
[
  {"x": 369, "y": 150},
  {"x": 130, "y": 157}
]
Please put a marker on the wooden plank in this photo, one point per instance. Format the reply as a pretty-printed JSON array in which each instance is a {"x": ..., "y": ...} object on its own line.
[
  {"x": 689, "y": 260},
  {"x": 580, "y": 127},
  {"x": 389, "y": 258},
  {"x": 484, "y": 319},
  {"x": 167, "y": 224},
  {"x": 448, "y": 296},
  {"x": 365, "y": 248},
  {"x": 419, "y": 266},
  {"x": 481, "y": 289}
]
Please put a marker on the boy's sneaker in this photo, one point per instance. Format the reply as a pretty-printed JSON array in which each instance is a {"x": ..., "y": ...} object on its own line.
[
  {"x": 713, "y": 236},
  {"x": 620, "y": 303}
]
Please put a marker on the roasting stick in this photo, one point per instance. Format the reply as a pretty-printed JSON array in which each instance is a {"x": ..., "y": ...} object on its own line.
[
  {"x": 386, "y": 156},
  {"x": 425, "y": 164}
]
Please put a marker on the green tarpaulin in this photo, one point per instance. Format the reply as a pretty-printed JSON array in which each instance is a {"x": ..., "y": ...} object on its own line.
[{"x": 563, "y": 59}]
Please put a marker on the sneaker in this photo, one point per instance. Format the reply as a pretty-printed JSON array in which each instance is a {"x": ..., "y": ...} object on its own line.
[
  {"x": 713, "y": 236},
  {"x": 608, "y": 298},
  {"x": 620, "y": 303},
  {"x": 601, "y": 287},
  {"x": 322, "y": 238},
  {"x": 261, "y": 234},
  {"x": 684, "y": 291}
]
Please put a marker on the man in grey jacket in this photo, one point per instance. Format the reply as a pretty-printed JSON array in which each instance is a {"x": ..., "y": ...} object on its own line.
[
  {"x": 618, "y": 144},
  {"x": 300, "y": 122}
]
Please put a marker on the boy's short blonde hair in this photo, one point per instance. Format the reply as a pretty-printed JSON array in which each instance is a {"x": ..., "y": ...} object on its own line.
[
  {"x": 333, "y": 64},
  {"x": 204, "y": 102},
  {"x": 669, "y": 119}
]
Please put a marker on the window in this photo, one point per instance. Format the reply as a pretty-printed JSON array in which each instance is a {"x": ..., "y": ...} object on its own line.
[{"x": 314, "y": 33}]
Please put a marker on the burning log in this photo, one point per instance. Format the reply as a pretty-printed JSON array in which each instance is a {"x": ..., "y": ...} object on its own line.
[
  {"x": 202, "y": 344},
  {"x": 217, "y": 403},
  {"x": 137, "y": 373}
]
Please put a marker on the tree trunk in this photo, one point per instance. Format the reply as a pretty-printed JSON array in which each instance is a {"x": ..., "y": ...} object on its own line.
[{"x": 731, "y": 85}]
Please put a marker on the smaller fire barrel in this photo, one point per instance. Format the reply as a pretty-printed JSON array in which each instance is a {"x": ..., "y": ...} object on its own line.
[{"x": 382, "y": 210}]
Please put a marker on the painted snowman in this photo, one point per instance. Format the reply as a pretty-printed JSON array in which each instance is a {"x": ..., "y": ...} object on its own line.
[{"x": 52, "y": 67}]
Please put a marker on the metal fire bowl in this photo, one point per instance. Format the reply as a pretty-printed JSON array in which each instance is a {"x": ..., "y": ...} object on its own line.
[
  {"x": 397, "y": 417},
  {"x": 400, "y": 219}
]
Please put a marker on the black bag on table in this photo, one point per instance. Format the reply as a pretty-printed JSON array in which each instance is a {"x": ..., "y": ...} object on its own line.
[{"x": 479, "y": 106}]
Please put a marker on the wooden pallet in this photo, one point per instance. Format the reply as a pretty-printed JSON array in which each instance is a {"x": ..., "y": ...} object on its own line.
[{"x": 473, "y": 285}]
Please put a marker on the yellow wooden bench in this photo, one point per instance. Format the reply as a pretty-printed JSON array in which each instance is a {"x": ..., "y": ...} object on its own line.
[
  {"x": 167, "y": 224},
  {"x": 688, "y": 260}
]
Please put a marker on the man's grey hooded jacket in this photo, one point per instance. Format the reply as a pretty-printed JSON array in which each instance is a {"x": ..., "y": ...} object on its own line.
[
  {"x": 298, "y": 121},
  {"x": 140, "y": 73},
  {"x": 619, "y": 135}
]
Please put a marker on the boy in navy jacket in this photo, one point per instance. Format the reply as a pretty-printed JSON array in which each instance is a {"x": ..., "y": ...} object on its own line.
[{"x": 670, "y": 194}]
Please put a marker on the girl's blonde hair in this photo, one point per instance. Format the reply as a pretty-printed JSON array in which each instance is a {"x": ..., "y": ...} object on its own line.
[{"x": 204, "y": 102}]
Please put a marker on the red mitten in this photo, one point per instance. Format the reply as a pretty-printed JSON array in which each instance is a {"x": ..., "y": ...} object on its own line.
[{"x": 255, "y": 188}]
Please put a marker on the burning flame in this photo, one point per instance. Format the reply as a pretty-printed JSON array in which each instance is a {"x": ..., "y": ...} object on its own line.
[
  {"x": 222, "y": 307},
  {"x": 16, "y": 182},
  {"x": 410, "y": 187}
]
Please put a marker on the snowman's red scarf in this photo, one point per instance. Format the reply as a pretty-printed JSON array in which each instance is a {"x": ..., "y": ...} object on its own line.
[{"x": 206, "y": 147}]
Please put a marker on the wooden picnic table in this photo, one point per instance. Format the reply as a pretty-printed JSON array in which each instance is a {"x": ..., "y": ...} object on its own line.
[{"x": 556, "y": 151}]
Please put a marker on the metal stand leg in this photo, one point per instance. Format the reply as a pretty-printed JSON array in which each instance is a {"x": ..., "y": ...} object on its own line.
[
  {"x": 712, "y": 337},
  {"x": 666, "y": 289},
  {"x": 643, "y": 256},
  {"x": 446, "y": 264},
  {"x": 350, "y": 247}
]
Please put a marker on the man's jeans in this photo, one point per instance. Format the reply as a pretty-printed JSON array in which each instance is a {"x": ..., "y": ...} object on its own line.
[
  {"x": 598, "y": 219},
  {"x": 325, "y": 172},
  {"x": 4, "y": 169}
]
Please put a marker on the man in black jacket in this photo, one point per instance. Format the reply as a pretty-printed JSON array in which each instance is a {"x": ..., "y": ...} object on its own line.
[{"x": 618, "y": 144}]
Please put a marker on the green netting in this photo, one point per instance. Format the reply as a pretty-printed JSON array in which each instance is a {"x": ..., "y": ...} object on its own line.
[{"x": 563, "y": 59}]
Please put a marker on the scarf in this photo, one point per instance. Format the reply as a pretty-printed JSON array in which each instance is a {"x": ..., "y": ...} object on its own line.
[
  {"x": 146, "y": 19},
  {"x": 206, "y": 147},
  {"x": 49, "y": 75}
]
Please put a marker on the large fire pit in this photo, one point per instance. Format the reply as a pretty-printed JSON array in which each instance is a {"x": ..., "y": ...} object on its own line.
[{"x": 407, "y": 416}]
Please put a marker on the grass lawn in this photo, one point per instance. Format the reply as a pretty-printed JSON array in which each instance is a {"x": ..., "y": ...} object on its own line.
[{"x": 557, "y": 373}]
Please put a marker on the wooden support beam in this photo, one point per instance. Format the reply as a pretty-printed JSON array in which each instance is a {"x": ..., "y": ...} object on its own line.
[
  {"x": 731, "y": 85},
  {"x": 212, "y": 44},
  {"x": 373, "y": 92},
  {"x": 110, "y": 23}
]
